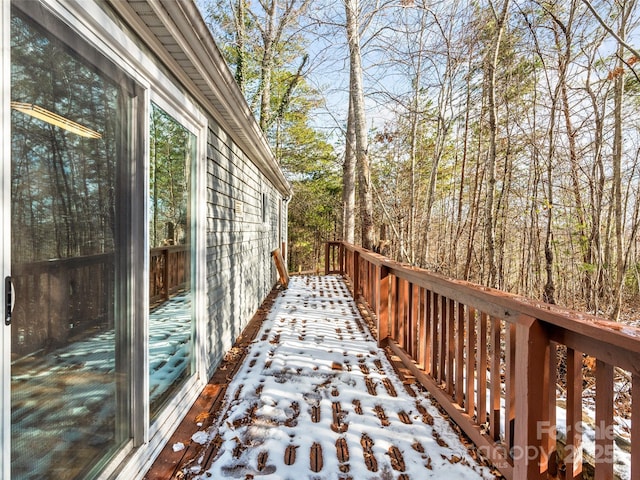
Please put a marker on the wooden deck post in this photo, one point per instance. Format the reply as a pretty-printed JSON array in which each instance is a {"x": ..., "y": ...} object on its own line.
[
  {"x": 382, "y": 303},
  {"x": 327, "y": 253},
  {"x": 165, "y": 274},
  {"x": 356, "y": 275},
  {"x": 531, "y": 382}
]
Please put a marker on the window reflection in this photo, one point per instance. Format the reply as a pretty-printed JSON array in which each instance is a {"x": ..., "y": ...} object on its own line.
[
  {"x": 170, "y": 323},
  {"x": 69, "y": 370}
]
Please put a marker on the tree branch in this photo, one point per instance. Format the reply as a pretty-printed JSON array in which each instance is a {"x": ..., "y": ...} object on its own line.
[{"x": 610, "y": 30}]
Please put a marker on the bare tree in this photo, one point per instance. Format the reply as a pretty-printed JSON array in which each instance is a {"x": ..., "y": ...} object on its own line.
[
  {"x": 277, "y": 17},
  {"x": 356, "y": 89},
  {"x": 618, "y": 95},
  {"x": 349, "y": 179},
  {"x": 489, "y": 217}
]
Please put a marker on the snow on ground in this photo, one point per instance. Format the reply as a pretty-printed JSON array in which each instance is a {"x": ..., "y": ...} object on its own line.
[
  {"x": 315, "y": 379},
  {"x": 64, "y": 401}
]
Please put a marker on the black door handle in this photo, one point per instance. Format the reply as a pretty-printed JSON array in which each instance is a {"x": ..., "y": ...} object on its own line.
[{"x": 8, "y": 300}]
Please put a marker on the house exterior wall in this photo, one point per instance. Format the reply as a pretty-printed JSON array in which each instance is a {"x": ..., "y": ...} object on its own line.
[
  {"x": 240, "y": 272},
  {"x": 240, "y": 201}
]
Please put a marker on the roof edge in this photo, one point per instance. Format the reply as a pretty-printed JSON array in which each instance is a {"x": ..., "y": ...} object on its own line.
[{"x": 184, "y": 22}]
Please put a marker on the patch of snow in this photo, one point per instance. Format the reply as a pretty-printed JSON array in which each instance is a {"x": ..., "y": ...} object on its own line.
[
  {"x": 200, "y": 437},
  {"x": 178, "y": 447},
  {"x": 312, "y": 354}
]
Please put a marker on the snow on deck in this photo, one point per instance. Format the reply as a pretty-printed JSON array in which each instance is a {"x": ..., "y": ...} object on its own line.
[{"x": 316, "y": 398}]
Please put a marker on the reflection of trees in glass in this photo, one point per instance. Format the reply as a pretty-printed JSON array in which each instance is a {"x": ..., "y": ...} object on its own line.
[
  {"x": 63, "y": 185},
  {"x": 171, "y": 152}
]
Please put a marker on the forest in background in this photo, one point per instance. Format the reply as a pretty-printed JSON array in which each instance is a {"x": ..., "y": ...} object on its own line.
[{"x": 495, "y": 141}]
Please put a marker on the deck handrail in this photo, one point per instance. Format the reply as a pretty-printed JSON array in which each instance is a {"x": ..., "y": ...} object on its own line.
[{"x": 434, "y": 324}]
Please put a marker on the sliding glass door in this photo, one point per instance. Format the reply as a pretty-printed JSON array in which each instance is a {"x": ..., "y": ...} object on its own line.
[{"x": 71, "y": 170}]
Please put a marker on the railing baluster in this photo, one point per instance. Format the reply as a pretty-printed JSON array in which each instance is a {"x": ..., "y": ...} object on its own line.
[
  {"x": 371, "y": 277},
  {"x": 374, "y": 279},
  {"x": 414, "y": 316},
  {"x": 482, "y": 369},
  {"x": 435, "y": 309},
  {"x": 165, "y": 274},
  {"x": 573, "y": 459},
  {"x": 382, "y": 306},
  {"x": 604, "y": 420},
  {"x": 393, "y": 326},
  {"x": 404, "y": 317},
  {"x": 549, "y": 440},
  {"x": 421, "y": 340},
  {"x": 428, "y": 342},
  {"x": 635, "y": 427},
  {"x": 494, "y": 412},
  {"x": 356, "y": 274},
  {"x": 451, "y": 345},
  {"x": 408, "y": 324},
  {"x": 459, "y": 338},
  {"x": 402, "y": 311},
  {"x": 443, "y": 333},
  {"x": 509, "y": 384},
  {"x": 470, "y": 352}
]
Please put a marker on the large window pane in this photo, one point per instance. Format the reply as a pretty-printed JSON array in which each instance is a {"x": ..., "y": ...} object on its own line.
[
  {"x": 70, "y": 363},
  {"x": 171, "y": 311}
]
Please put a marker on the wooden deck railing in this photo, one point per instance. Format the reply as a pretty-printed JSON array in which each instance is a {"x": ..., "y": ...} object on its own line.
[
  {"x": 76, "y": 295},
  {"x": 168, "y": 272},
  {"x": 457, "y": 337},
  {"x": 59, "y": 299}
]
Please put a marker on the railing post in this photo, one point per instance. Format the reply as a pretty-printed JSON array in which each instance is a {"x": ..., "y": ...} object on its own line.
[
  {"x": 530, "y": 461},
  {"x": 356, "y": 275},
  {"x": 165, "y": 273},
  {"x": 382, "y": 303},
  {"x": 327, "y": 249}
]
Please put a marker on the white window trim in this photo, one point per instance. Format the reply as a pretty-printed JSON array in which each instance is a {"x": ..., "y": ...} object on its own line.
[
  {"x": 190, "y": 117},
  {"x": 5, "y": 233}
]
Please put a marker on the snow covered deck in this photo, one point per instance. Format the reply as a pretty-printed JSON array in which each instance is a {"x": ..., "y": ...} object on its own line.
[{"x": 315, "y": 397}]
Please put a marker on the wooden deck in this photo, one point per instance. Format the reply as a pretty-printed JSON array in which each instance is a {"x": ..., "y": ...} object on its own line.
[{"x": 307, "y": 393}]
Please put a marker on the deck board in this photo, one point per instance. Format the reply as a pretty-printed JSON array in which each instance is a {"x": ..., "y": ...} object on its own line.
[{"x": 314, "y": 397}]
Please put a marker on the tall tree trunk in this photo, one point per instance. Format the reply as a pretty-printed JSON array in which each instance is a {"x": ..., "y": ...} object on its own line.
[
  {"x": 415, "y": 129},
  {"x": 596, "y": 194},
  {"x": 240, "y": 50},
  {"x": 490, "y": 233},
  {"x": 349, "y": 180},
  {"x": 268, "y": 35},
  {"x": 362, "y": 147},
  {"x": 413, "y": 148},
  {"x": 618, "y": 97},
  {"x": 564, "y": 57},
  {"x": 465, "y": 148}
]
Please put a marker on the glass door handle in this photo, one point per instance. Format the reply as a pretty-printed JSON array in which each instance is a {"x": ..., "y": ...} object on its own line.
[{"x": 8, "y": 300}]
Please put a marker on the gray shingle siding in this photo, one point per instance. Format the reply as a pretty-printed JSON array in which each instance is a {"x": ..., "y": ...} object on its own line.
[{"x": 240, "y": 271}]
